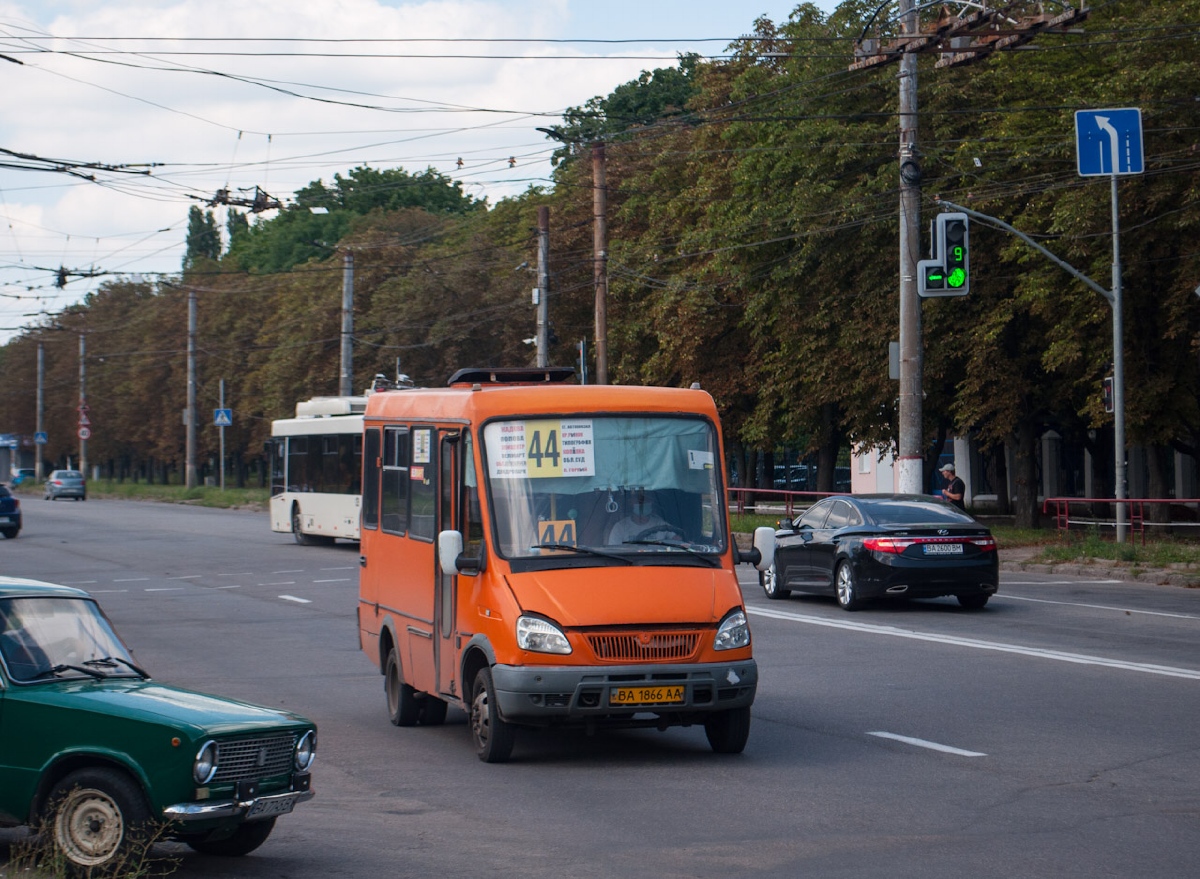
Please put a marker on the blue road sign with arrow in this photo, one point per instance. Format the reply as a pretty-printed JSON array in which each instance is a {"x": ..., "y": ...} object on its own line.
[{"x": 1109, "y": 142}]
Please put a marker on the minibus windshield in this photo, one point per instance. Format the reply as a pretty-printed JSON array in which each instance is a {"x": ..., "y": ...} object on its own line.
[{"x": 626, "y": 485}]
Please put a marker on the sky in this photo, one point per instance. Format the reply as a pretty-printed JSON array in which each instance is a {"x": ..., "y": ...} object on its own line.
[{"x": 116, "y": 116}]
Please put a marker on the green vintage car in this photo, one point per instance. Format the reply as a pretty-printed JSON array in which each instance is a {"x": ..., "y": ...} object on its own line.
[{"x": 100, "y": 756}]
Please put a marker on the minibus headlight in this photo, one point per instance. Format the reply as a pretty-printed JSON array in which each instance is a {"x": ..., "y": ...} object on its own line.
[
  {"x": 306, "y": 751},
  {"x": 733, "y": 632},
  {"x": 205, "y": 766},
  {"x": 541, "y": 636}
]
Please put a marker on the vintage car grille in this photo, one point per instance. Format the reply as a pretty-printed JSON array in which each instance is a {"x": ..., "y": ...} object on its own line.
[
  {"x": 643, "y": 646},
  {"x": 243, "y": 759}
]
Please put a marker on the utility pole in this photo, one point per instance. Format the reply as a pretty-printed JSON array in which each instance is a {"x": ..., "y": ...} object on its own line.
[
  {"x": 346, "y": 385},
  {"x": 222, "y": 431},
  {"x": 911, "y": 452},
  {"x": 600, "y": 249},
  {"x": 41, "y": 408},
  {"x": 543, "y": 274},
  {"x": 83, "y": 407},
  {"x": 190, "y": 414}
]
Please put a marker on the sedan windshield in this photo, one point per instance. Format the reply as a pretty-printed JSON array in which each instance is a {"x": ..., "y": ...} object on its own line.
[
  {"x": 631, "y": 485},
  {"x": 54, "y": 638}
]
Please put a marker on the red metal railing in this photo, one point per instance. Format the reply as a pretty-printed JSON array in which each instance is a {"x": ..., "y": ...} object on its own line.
[
  {"x": 1060, "y": 509},
  {"x": 743, "y": 497}
]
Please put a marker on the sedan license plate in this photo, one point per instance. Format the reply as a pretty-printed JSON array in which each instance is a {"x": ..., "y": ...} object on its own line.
[
  {"x": 943, "y": 548},
  {"x": 645, "y": 696},
  {"x": 268, "y": 808}
]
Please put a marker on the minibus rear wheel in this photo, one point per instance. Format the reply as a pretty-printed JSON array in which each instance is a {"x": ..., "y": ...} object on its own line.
[
  {"x": 403, "y": 706},
  {"x": 493, "y": 736},
  {"x": 729, "y": 730}
]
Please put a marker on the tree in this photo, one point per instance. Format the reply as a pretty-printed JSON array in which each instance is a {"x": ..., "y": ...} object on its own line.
[{"x": 203, "y": 238}]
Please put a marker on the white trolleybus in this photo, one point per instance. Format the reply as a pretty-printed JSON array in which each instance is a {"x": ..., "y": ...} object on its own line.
[{"x": 316, "y": 470}]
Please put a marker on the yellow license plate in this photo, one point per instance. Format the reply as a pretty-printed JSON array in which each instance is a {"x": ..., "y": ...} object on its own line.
[{"x": 645, "y": 695}]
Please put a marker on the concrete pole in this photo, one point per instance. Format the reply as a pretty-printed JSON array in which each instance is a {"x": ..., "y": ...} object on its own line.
[
  {"x": 190, "y": 415},
  {"x": 41, "y": 408},
  {"x": 82, "y": 403},
  {"x": 543, "y": 274},
  {"x": 346, "y": 384},
  {"x": 911, "y": 475},
  {"x": 222, "y": 430},
  {"x": 600, "y": 248}
]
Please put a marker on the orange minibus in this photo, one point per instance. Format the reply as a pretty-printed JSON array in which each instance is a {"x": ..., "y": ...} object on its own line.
[{"x": 540, "y": 553}]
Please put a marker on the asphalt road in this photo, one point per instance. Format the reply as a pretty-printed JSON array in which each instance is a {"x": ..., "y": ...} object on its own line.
[{"x": 1055, "y": 733}]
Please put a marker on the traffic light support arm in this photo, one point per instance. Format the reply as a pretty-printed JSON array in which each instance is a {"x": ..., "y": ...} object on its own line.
[{"x": 1065, "y": 266}]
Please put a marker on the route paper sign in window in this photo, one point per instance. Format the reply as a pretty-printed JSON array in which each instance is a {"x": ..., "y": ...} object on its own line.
[{"x": 544, "y": 449}]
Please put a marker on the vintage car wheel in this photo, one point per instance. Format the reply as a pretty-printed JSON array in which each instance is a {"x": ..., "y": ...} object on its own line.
[
  {"x": 493, "y": 736},
  {"x": 244, "y": 840},
  {"x": 769, "y": 580},
  {"x": 728, "y": 731},
  {"x": 10, "y": 533},
  {"x": 98, "y": 816},
  {"x": 973, "y": 602},
  {"x": 404, "y": 708},
  {"x": 847, "y": 589}
]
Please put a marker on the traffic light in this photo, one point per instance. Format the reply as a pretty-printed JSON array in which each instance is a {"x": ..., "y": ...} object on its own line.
[{"x": 949, "y": 272}]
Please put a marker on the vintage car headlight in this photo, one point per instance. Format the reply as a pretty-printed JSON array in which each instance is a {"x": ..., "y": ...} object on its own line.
[
  {"x": 733, "y": 632},
  {"x": 306, "y": 751},
  {"x": 205, "y": 766},
  {"x": 541, "y": 636}
]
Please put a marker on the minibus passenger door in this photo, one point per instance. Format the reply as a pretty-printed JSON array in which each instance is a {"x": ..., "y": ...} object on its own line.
[{"x": 447, "y": 583}]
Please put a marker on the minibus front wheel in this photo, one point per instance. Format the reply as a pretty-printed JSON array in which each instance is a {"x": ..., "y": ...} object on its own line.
[
  {"x": 729, "y": 730},
  {"x": 493, "y": 736}
]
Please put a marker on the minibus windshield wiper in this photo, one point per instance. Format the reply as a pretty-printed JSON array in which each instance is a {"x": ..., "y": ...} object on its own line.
[
  {"x": 711, "y": 562},
  {"x": 583, "y": 550}
]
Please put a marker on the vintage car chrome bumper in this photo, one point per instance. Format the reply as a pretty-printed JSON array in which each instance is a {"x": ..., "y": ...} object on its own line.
[{"x": 266, "y": 806}]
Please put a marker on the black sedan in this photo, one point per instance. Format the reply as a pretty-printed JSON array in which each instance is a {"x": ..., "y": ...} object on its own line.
[{"x": 859, "y": 547}]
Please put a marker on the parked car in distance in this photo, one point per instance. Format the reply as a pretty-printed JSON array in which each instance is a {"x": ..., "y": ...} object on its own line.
[
  {"x": 101, "y": 757},
  {"x": 22, "y": 474},
  {"x": 861, "y": 547},
  {"x": 10, "y": 513},
  {"x": 66, "y": 483}
]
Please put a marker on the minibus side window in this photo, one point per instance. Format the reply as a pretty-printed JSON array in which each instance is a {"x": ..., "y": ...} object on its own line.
[
  {"x": 422, "y": 480},
  {"x": 395, "y": 480},
  {"x": 370, "y": 485},
  {"x": 472, "y": 521}
]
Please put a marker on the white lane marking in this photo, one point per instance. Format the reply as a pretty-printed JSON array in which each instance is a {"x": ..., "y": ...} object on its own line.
[
  {"x": 921, "y": 743},
  {"x": 281, "y": 583},
  {"x": 106, "y": 591},
  {"x": 297, "y": 571},
  {"x": 295, "y": 599},
  {"x": 1129, "y": 610},
  {"x": 132, "y": 580},
  {"x": 1037, "y": 652},
  {"x": 234, "y": 586},
  {"x": 187, "y": 577},
  {"x": 77, "y": 582},
  {"x": 165, "y": 589},
  {"x": 243, "y": 574},
  {"x": 342, "y": 580},
  {"x": 345, "y": 568},
  {"x": 1078, "y": 582}
]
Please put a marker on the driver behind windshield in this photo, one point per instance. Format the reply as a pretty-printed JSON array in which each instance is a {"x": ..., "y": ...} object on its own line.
[{"x": 642, "y": 522}]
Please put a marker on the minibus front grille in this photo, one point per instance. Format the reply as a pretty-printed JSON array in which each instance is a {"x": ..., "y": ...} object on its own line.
[{"x": 643, "y": 646}]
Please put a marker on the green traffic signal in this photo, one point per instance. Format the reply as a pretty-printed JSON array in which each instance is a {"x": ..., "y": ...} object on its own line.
[{"x": 956, "y": 278}]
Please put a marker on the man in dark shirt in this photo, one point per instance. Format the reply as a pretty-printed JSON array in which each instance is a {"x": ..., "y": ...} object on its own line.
[{"x": 955, "y": 487}]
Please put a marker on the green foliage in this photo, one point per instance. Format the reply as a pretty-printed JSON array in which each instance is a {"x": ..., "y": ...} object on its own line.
[{"x": 203, "y": 239}]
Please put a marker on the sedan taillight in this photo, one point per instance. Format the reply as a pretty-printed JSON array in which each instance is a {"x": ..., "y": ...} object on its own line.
[{"x": 897, "y": 545}]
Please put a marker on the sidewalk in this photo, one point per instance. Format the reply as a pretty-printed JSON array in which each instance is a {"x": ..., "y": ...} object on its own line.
[{"x": 1018, "y": 559}]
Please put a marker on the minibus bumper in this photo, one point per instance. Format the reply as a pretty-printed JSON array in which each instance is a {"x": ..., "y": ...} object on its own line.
[{"x": 683, "y": 693}]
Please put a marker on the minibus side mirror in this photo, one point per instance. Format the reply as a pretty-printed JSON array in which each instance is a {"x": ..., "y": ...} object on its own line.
[
  {"x": 763, "y": 552},
  {"x": 450, "y": 557}
]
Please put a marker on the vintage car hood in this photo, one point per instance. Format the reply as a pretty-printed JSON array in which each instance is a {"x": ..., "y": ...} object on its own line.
[
  {"x": 148, "y": 700},
  {"x": 626, "y": 595}
]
